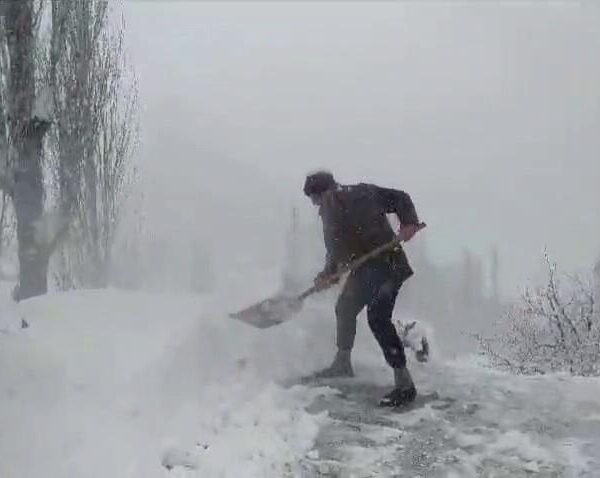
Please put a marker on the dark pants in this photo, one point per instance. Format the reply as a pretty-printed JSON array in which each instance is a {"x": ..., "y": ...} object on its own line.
[{"x": 374, "y": 285}]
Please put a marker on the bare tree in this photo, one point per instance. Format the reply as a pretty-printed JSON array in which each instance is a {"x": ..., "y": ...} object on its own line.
[
  {"x": 494, "y": 275},
  {"x": 553, "y": 328},
  {"x": 24, "y": 126},
  {"x": 471, "y": 290},
  {"x": 96, "y": 132},
  {"x": 4, "y": 131},
  {"x": 597, "y": 275},
  {"x": 5, "y": 223},
  {"x": 75, "y": 84}
]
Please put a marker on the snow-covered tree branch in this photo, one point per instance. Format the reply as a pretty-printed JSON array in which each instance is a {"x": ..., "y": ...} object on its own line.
[{"x": 553, "y": 328}]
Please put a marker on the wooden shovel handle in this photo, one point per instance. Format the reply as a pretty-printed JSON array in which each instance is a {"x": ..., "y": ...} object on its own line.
[{"x": 355, "y": 264}]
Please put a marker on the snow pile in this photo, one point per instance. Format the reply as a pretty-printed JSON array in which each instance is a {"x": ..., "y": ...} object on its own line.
[
  {"x": 104, "y": 383},
  {"x": 264, "y": 437},
  {"x": 10, "y": 319},
  {"x": 520, "y": 425},
  {"x": 108, "y": 383}
]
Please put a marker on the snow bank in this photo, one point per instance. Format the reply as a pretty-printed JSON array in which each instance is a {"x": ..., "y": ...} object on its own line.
[
  {"x": 103, "y": 382},
  {"x": 111, "y": 384}
]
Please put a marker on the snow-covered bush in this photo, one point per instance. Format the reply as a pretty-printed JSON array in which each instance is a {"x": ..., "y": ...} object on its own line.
[{"x": 553, "y": 328}]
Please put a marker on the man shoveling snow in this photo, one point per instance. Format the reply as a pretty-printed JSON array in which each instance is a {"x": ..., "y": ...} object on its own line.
[{"x": 355, "y": 223}]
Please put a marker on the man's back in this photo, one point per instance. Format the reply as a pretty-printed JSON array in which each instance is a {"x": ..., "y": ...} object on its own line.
[{"x": 354, "y": 221}]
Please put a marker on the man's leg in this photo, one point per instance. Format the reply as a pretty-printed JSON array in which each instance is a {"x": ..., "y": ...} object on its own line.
[
  {"x": 349, "y": 304},
  {"x": 379, "y": 313}
]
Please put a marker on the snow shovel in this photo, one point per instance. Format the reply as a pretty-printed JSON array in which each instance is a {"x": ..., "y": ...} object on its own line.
[{"x": 278, "y": 309}]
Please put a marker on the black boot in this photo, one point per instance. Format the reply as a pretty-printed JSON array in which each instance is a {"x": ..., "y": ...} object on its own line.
[
  {"x": 341, "y": 366},
  {"x": 404, "y": 393}
]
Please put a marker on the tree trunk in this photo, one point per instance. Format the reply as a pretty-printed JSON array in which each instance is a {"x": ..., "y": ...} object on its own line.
[
  {"x": 29, "y": 205},
  {"x": 27, "y": 133}
]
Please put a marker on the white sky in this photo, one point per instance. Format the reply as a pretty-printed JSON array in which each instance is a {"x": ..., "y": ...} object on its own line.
[{"x": 488, "y": 114}]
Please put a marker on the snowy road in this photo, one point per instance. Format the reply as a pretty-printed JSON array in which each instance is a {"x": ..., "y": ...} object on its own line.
[{"x": 482, "y": 424}]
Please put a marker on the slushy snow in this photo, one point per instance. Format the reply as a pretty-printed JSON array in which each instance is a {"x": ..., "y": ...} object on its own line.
[{"x": 114, "y": 383}]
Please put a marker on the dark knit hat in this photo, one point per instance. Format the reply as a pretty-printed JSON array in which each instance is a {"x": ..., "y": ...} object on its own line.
[{"x": 318, "y": 182}]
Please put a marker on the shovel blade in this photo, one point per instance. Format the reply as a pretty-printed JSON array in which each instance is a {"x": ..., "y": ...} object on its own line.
[{"x": 269, "y": 312}]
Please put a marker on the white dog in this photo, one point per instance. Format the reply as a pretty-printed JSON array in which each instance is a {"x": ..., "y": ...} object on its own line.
[{"x": 414, "y": 336}]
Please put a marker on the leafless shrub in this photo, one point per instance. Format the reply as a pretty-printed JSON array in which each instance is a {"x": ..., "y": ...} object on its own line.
[{"x": 552, "y": 328}]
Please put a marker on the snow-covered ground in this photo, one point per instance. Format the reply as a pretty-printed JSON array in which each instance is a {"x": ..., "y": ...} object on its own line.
[
  {"x": 109, "y": 383},
  {"x": 474, "y": 424}
]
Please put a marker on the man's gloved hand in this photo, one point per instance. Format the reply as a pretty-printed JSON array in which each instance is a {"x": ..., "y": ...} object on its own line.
[
  {"x": 323, "y": 281},
  {"x": 407, "y": 231}
]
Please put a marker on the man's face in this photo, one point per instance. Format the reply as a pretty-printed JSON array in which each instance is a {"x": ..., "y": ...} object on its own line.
[{"x": 316, "y": 199}]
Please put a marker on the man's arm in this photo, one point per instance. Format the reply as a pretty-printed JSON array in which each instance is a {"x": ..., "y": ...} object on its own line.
[
  {"x": 330, "y": 265},
  {"x": 323, "y": 279},
  {"x": 397, "y": 202}
]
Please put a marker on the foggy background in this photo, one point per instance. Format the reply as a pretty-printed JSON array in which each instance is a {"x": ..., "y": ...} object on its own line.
[{"x": 487, "y": 114}]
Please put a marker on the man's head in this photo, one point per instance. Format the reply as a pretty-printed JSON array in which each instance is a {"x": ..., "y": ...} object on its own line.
[{"x": 317, "y": 183}]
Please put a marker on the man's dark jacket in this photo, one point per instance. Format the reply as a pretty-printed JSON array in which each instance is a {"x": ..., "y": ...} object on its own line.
[{"x": 355, "y": 222}]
